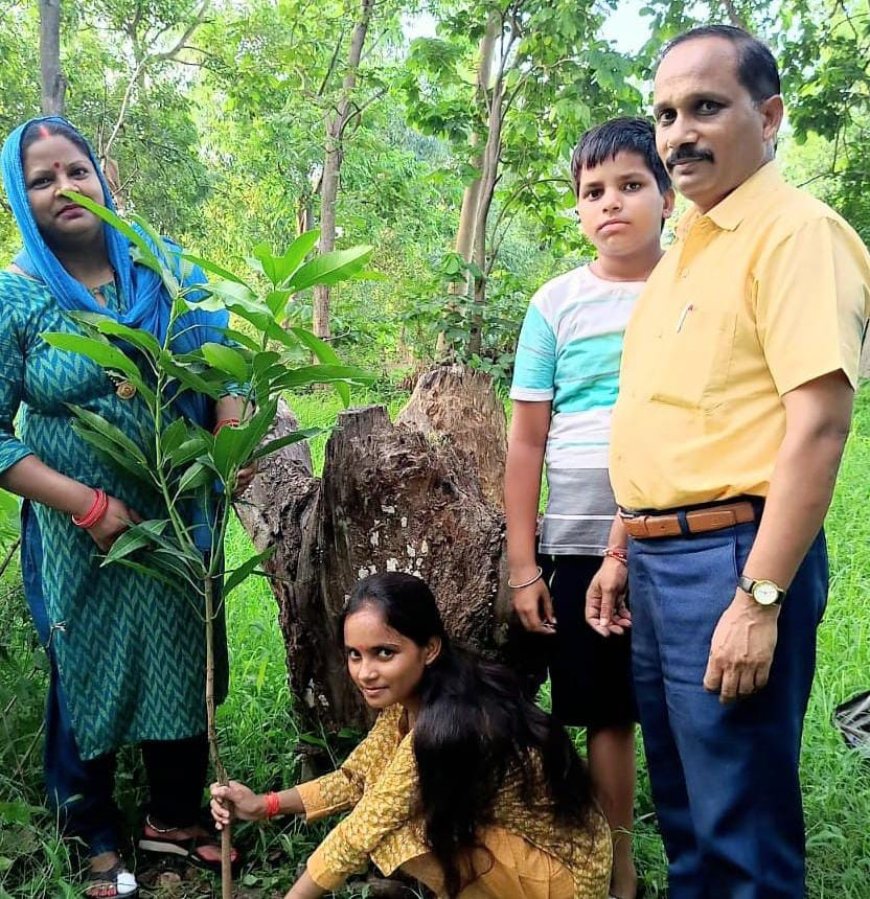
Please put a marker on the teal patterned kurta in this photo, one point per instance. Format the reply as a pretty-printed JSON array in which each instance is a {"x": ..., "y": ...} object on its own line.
[{"x": 130, "y": 650}]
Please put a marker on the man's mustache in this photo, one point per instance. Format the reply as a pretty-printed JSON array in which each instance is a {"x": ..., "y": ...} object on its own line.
[{"x": 688, "y": 154}]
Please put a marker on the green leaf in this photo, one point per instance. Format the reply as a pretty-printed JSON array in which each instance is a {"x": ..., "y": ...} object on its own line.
[
  {"x": 241, "y": 339},
  {"x": 10, "y": 515},
  {"x": 188, "y": 379},
  {"x": 241, "y": 300},
  {"x": 15, "y": 813},
  {"x": 197, "y": 475},
  {"x": 279, "y": 268},
  {"x": 254, "y": 430},
  {"x": 329, "y": 268},
  {"x": 147, "y": 256},
  {"x": 226, "y": 359},
  {"x": 97, "y": 424},
  {"x": 280, "y": 442},
  {"x": 166, "y": 273},
  {"x": 214, "y": 269},
  {"x": 139, "y": 536},
  {"x": 276, "y": 300},
  {"x": 105, "y": 324},
  {"x": 175, "y": 562},
  {"x": 115, "y": 454},
  {"x": 190, "y": 449},
  {"x": 320, "y": 374},
  {"x": 236, "y": 577},
  {"x": 228, "y": 452},
  {"x": 100, "y": 351},
  {"x": 324, "y": 353},
  {"x": 173, "y": 437}
]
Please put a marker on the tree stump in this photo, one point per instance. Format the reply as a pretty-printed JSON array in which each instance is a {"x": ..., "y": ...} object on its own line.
[{"x": 422, "y": 495}]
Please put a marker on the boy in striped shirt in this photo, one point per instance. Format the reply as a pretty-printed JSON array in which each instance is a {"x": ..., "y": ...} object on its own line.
[{"x": 564, "y": 387}]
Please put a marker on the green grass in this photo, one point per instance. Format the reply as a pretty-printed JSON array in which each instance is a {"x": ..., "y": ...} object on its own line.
[{"x": 262, "y": 741}]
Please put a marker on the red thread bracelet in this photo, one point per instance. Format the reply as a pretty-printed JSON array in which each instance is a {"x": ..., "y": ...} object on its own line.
[
  {"x": 225, "y": 422},
  {"x": 95, "y": 514},
  {"x": 273, "y": 804},
  {"x": 618, "y": 553}
]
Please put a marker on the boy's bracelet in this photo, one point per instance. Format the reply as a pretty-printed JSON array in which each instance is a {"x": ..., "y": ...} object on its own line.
[
  {"x": 529, "y": 582},
  {"x": 618, "y": 553}
]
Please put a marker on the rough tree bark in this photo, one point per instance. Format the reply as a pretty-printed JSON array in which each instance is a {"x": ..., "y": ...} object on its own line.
[
  {"x": 53, "y": 80},
  {"x": 422, "y": 495},
  {"x": 335, "y": 125}
]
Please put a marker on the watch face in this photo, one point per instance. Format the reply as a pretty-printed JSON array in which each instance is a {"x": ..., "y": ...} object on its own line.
[{"x": 765, "y": 593}]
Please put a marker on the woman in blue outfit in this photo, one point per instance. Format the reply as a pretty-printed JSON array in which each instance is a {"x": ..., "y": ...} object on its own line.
[{"x": 127, "y": 653}]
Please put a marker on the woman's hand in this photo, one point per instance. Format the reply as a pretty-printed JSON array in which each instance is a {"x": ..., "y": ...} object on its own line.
[
  {"x": 118, "y": 518},
  {"x": 243, "y": 479},
  {"x": 244, "y": 802}
]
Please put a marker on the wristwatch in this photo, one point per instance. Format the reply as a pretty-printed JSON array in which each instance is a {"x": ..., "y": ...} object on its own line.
[{"x": 765, "y": 593}]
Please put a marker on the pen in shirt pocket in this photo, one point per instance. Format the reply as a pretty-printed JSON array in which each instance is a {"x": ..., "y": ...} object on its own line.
[{"x": 681, "y": 321}]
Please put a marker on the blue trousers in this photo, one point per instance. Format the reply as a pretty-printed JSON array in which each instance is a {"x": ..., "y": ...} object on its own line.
[
  {"x": 81, "y": 790},
  {"x": 724, "y": 778}
]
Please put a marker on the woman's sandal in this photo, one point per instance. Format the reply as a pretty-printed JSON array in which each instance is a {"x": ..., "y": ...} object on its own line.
[
  {"x": 157, "y": 840},
  {"x": 115, "y": 883}
]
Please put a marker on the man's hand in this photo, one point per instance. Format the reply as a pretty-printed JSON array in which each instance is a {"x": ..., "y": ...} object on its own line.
[
  {"x": 742, "y": 648},
  {"x": 534, "y": 607},
  {"x": 606, "y": 609}
]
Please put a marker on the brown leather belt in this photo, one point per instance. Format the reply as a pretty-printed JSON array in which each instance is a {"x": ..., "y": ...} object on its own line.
[{"x": 715, "y": 518}]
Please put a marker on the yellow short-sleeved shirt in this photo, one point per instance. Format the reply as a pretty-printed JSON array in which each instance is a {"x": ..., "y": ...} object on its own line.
[{"x": 765, "y": 292}]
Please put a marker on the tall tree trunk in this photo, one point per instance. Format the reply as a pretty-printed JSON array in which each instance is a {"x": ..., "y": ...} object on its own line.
[
  {"x": 53, "y": 81},
  {"x": 488, "y": 179},
  {"x": 465, "y": 233},
  {"x": 335, "y": 126}
]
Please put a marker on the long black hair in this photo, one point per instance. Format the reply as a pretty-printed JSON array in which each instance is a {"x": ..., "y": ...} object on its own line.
[{"x": 475, "y": 729}]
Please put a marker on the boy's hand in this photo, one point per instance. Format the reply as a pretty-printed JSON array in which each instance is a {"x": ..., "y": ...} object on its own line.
[
  {"x": 534, "y": 607},
  {"x": 606, "y": 609}
]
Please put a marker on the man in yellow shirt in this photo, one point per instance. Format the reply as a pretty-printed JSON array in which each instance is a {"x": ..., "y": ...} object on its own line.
[{"x": 738, "y": 375}]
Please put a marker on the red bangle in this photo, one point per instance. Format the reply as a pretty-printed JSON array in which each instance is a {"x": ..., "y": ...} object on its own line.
[
  {"x": 225, "y": 422},
  {"x": 618, "y": 553},
  {"x": 273, "y": 804},
  {"x": 95, "y": 514}
]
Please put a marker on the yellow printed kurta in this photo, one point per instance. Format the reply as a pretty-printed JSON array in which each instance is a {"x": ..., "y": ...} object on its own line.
[{"x": 379, "y": 783}]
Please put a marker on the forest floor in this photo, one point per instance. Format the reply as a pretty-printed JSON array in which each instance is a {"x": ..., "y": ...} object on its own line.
[{"x": 263, "y": 743}]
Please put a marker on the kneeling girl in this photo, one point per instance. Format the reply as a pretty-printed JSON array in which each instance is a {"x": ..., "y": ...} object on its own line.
[{"x": 461, "y": 783}]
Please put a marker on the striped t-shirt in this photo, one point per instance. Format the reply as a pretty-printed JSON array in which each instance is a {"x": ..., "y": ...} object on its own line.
[{"x": 569, "y": 353}]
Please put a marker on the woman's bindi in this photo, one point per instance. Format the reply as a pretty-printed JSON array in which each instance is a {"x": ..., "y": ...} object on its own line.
[{"x": 57, "y": 165}]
